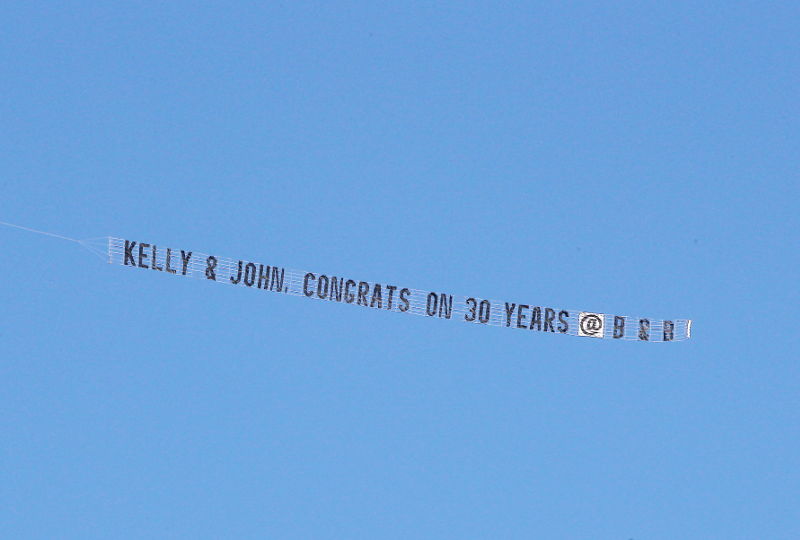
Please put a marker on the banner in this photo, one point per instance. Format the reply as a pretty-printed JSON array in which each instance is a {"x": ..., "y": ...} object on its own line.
[{"x": 393, "y": 296}]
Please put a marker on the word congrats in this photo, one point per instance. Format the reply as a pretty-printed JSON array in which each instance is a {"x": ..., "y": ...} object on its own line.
[{"x": 393, "y": 297}]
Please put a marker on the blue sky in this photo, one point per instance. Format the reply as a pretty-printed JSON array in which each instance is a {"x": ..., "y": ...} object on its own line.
[{"x": 632, "y": 158}]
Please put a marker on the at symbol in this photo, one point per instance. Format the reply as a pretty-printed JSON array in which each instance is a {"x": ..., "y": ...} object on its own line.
[{"x": 591, "y": 324}]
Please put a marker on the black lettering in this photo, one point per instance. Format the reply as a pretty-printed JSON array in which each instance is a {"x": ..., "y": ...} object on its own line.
[
  {"x": 669, "y": 330},
  {"x": 391, "y": 289},
  {"x": 563, "y": 325},
  {"x": 509, "y": 312},
  {"x": 263, "y": 277},
  {"x": 185, "y": 257},
  {"x": 169, "y": 258},
  {"x": 484, "y": 312},
  {"x": 430, "y": 307},
  {"x": 129, "y": 253},
  {"x": 336, "y": 289},
  {"x": 644, "y": 329},
  {"x": 348, "y": 296},
  {"x": 153, "y": 264},
  {"x": 404, "y": 299},
  {"x": 278, "y": 274},
  {"x": 306, "y": 291},
  {"x": 363, "y": 289},
  {"x": 249, "y": 274},
  {"x": 322, "y": 290},
  {"x": 472, "y": 314},
  {"x": 549, "y": 315},
  {"x": 619, "y": 327},
  {"x": 142, "y": 255},
  {"x": 238, "y": 276},
  {"x": 521, "y": 315},
  {"x": 446, "y": 305},
  {"x": 376, "y": 297},
  {"x": 211, "y": 265},
  {"x": 536, "y": 318}
]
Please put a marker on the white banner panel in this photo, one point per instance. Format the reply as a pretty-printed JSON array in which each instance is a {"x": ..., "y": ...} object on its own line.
[
  {"x": 395, "y": 297},
  {"x": 591, "y": 324}
]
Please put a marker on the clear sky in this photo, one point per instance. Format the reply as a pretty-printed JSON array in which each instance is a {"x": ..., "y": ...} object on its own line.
[{"x": 631, "y": 158}]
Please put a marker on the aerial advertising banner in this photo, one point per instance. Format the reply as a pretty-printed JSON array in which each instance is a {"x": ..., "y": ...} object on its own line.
[{"x": 393, "y": 296}]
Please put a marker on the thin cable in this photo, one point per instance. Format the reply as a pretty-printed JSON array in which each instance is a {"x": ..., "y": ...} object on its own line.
[
  {"x": 94, "y": 251},
  {"x": 83, "y": 243},
  {"x": 39, "y": 232}
]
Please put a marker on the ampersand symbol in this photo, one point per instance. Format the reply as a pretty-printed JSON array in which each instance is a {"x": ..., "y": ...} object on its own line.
[{"x": 211, "y": 264}]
